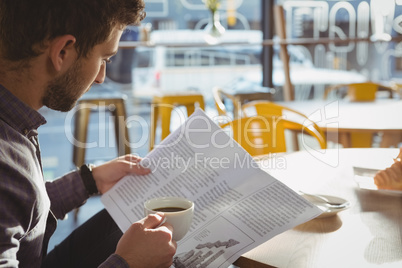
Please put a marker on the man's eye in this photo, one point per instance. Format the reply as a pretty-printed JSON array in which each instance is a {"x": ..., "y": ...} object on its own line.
[{"x": 107, "y": 61}]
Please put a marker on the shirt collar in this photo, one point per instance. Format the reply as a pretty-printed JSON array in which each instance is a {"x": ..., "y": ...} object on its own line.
[{"x": 17, "y": 114}]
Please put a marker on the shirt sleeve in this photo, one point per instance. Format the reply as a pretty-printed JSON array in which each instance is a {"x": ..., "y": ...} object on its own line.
[
  {"x": 115, "y": 261},
  {"x": 66, "y": 193}
]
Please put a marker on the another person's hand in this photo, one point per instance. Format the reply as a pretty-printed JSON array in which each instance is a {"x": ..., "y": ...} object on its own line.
[
  {"x": 390, "y": 178},
  {"x": 145, "y": 245},
  {"x": 107, "y": 174}
]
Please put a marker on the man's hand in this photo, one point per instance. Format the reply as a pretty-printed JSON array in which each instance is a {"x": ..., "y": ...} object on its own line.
[
  {"x": 146, "y": 245},
  {"x": 107, "y": 174}
]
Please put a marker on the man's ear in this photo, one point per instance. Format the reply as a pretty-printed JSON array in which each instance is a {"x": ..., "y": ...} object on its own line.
[{"x": 62, "y": 51}]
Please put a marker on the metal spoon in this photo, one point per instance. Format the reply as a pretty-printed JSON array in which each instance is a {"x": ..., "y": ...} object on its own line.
[{"x": 328, "y": 203}]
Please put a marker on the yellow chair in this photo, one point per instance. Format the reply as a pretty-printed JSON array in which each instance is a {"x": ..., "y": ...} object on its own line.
[
  {"x": 261, "y": 135},
  {"x": 269, "y": 108},
  {"x": 359, "y": 91},
  {"x": 162, "y": 106}
]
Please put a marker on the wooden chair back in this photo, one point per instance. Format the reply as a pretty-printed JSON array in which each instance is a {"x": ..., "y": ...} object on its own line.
[{"x": 219, "y": 97}]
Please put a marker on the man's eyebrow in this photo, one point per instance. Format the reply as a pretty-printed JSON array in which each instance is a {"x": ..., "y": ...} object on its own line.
[{"x": 111, "y": 54}]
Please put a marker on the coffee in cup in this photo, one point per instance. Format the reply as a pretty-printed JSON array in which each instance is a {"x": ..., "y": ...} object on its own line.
[{"x": 178, "y": 212}]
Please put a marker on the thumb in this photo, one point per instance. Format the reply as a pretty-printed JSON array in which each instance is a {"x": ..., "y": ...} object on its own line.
[{"x": 152, "y": 221}]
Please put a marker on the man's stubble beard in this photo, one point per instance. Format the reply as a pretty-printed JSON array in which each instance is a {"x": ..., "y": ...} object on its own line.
[{"x": 62, "y": 92}]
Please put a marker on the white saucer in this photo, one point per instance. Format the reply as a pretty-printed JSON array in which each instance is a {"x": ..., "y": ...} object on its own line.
[{"x": 328, "y": 211}]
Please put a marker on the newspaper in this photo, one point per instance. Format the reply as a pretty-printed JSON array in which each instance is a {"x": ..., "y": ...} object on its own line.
[{"x": 238, "y": 206}]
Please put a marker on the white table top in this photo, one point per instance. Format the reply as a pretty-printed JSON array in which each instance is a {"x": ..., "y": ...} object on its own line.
[
  {"x": 368, "y": 234},
  {"x": 381, "y": 114}
]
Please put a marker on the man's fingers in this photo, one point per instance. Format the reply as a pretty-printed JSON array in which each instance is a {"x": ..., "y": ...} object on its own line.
[
  {"x": 156, "y": 222},
  {"x": 133, "y": 167},
  {"x": 132, "y": 158},
  {"x": 174, "y": 243},
  {"x": 153, "y": 220},
  {"x": 166, "y": 226},
  {"x": 137, "y": 168}
]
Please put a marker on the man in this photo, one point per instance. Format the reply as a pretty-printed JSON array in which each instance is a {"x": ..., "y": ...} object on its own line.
[{"x": 51, "y": 52}]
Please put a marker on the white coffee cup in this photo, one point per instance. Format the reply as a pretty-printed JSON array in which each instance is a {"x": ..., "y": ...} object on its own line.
[{"x": 179, "y": 219}]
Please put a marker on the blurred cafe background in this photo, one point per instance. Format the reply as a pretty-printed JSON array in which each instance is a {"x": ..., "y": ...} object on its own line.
[{"x": 185, "y": 53}]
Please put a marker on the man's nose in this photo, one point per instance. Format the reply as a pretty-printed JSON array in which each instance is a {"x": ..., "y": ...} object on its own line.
[{"x": 100, "y": 78}]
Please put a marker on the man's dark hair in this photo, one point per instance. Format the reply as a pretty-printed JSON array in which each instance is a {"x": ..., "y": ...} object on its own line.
[{"x": 25, "y": 25}]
